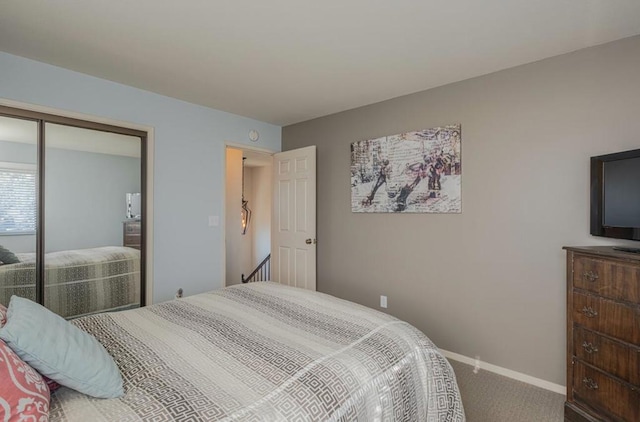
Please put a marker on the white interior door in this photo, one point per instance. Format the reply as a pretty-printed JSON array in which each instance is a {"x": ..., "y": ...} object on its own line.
[{"x": 293, "y": 224}]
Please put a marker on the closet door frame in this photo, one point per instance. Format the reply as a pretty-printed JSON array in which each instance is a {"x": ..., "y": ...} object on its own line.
[{"x": 42, "y": 119}]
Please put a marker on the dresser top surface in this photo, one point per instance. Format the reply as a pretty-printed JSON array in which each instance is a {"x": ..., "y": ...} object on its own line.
[{"x": 604, "y": 251}]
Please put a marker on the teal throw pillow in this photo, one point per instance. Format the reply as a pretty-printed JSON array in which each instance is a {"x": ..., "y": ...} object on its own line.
[{"x": 60, "y": 350}]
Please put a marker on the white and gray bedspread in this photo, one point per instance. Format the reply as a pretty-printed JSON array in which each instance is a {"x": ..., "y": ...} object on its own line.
[
  {"x": 266, "y": 352},
  {"x": 78, "y": 282}
]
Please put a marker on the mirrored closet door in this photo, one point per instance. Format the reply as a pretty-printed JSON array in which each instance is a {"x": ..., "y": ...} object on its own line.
[
  {"x": 18, "y": 207},
  {"x": 87, "y": 246}
]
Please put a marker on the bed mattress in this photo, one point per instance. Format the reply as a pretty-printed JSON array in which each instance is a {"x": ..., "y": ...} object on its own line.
[
  {"x": 78, "y": 282},
  {"x": 266, "y": 352}
]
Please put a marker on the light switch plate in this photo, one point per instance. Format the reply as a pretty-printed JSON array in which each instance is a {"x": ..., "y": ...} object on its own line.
[{"x": 214, "y": 220}]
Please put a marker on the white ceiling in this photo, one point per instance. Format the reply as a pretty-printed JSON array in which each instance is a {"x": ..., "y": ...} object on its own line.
[{"x": 286, "y": 61}]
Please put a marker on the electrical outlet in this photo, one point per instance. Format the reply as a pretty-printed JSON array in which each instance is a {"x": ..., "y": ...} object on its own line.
[
  {"x": 383, "y": 301},
  {"x": 476, "y": 367}
]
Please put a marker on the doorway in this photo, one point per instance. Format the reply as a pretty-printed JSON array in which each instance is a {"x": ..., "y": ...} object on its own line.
[{"x": 249, "y": 178}]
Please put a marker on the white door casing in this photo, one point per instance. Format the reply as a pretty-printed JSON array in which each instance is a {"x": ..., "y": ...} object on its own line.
[{"x": 293, "y": 224}]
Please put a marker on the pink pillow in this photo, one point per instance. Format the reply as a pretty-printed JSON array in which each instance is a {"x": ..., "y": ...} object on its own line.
[
  {"x": 23, "y": 392},
  {"x": 53, "y": 386},
  {"x": 3, "y": 315}
]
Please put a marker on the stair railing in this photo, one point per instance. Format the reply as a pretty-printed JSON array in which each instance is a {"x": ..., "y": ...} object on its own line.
[{"x": 261, "y": 273}]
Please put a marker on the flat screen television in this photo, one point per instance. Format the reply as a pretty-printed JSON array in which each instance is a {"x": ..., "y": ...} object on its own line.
[{"x": 615, "y": 195}]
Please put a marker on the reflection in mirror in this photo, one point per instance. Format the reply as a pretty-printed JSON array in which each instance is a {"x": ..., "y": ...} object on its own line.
[
  {"x": 92, "y": 240},
  {"x": 18, "y": 208}
]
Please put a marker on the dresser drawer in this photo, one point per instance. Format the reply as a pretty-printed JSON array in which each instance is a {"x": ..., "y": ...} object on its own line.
[
  {"x": 615, "y": 319},
  {"x": 603, "y": 392},
  {"x": 132, "y": 234},
  {"x": 611, "y": 356},
  {"x": 133, "y": 227},
  {"x": 612, "y": 279},
  {"x": 132, "y": 240}
]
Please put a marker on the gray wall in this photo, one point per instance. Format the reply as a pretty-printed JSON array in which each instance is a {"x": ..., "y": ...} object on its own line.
[
  {"x": 85, "y": 197},
  {"x": 489, "y": 282},
  {"x": 189, "y": 144}
]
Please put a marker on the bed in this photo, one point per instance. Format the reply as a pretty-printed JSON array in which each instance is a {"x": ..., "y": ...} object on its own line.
[
  {"x": 265, "y": 352},
  {"x": 78, "y": 282}
]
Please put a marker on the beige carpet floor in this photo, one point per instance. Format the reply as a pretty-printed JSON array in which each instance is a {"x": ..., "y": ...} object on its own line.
[{"x": 489, "y": 397}]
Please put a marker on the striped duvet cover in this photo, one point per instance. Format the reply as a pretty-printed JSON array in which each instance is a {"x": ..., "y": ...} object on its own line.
[{"x": 266, "y": 352}]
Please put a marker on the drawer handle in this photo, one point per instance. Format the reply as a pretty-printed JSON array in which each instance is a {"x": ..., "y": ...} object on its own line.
[
  {"x": 589, "y": 347},
  {"x": 590, "y": 275},
  {"x": 589, "y": 312},
  {"x": 590, "y": 383}
]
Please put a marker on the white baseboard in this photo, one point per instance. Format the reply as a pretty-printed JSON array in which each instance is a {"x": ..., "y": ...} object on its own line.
[{"x": 556, "y": 388}]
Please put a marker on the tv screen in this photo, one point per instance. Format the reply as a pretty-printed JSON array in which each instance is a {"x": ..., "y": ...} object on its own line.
[
  {"x": 615, "y": 195},
  {"x": 621, "y": 192}
]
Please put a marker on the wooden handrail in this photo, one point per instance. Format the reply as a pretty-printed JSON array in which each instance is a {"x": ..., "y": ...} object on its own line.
[{"x": 261, "y": 273}]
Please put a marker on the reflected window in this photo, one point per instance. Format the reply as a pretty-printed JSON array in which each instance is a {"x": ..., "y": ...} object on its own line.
[{"x": 17, "y": 198}]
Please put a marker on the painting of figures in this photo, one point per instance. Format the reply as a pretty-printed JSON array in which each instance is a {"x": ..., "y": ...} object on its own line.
[{"x": 414, "y": 172}]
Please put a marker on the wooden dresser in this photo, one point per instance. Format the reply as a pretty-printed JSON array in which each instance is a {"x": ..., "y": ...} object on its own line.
[
  {"x": 132, "y": 233},
  {"x": 603, "y": 335}
]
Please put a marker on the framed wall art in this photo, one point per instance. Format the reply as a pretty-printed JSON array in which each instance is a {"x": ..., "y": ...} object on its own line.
[{"x": 414, "y": 172}]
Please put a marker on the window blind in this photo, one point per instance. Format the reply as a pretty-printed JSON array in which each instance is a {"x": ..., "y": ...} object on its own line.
[{"x": 18, "y": 208}]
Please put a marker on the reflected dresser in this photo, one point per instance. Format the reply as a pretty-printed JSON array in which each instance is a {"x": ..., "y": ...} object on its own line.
[
  {"x": 132, "y": 234},
  {"x": 603, "y": 335}
]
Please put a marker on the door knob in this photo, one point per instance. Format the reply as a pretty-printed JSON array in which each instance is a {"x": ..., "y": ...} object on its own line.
[{"x": 310, "y": 241}]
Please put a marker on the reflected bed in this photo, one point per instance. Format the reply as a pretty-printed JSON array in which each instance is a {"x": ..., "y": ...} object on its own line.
[
  {"x": 78, "y": 282},
  {"x": 264, "y": 351}
]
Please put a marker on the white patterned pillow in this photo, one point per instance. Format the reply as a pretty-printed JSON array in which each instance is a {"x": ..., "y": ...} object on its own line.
[
  {"x": 3, "y": 315},
  {"x": 24, "y": 395}
]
